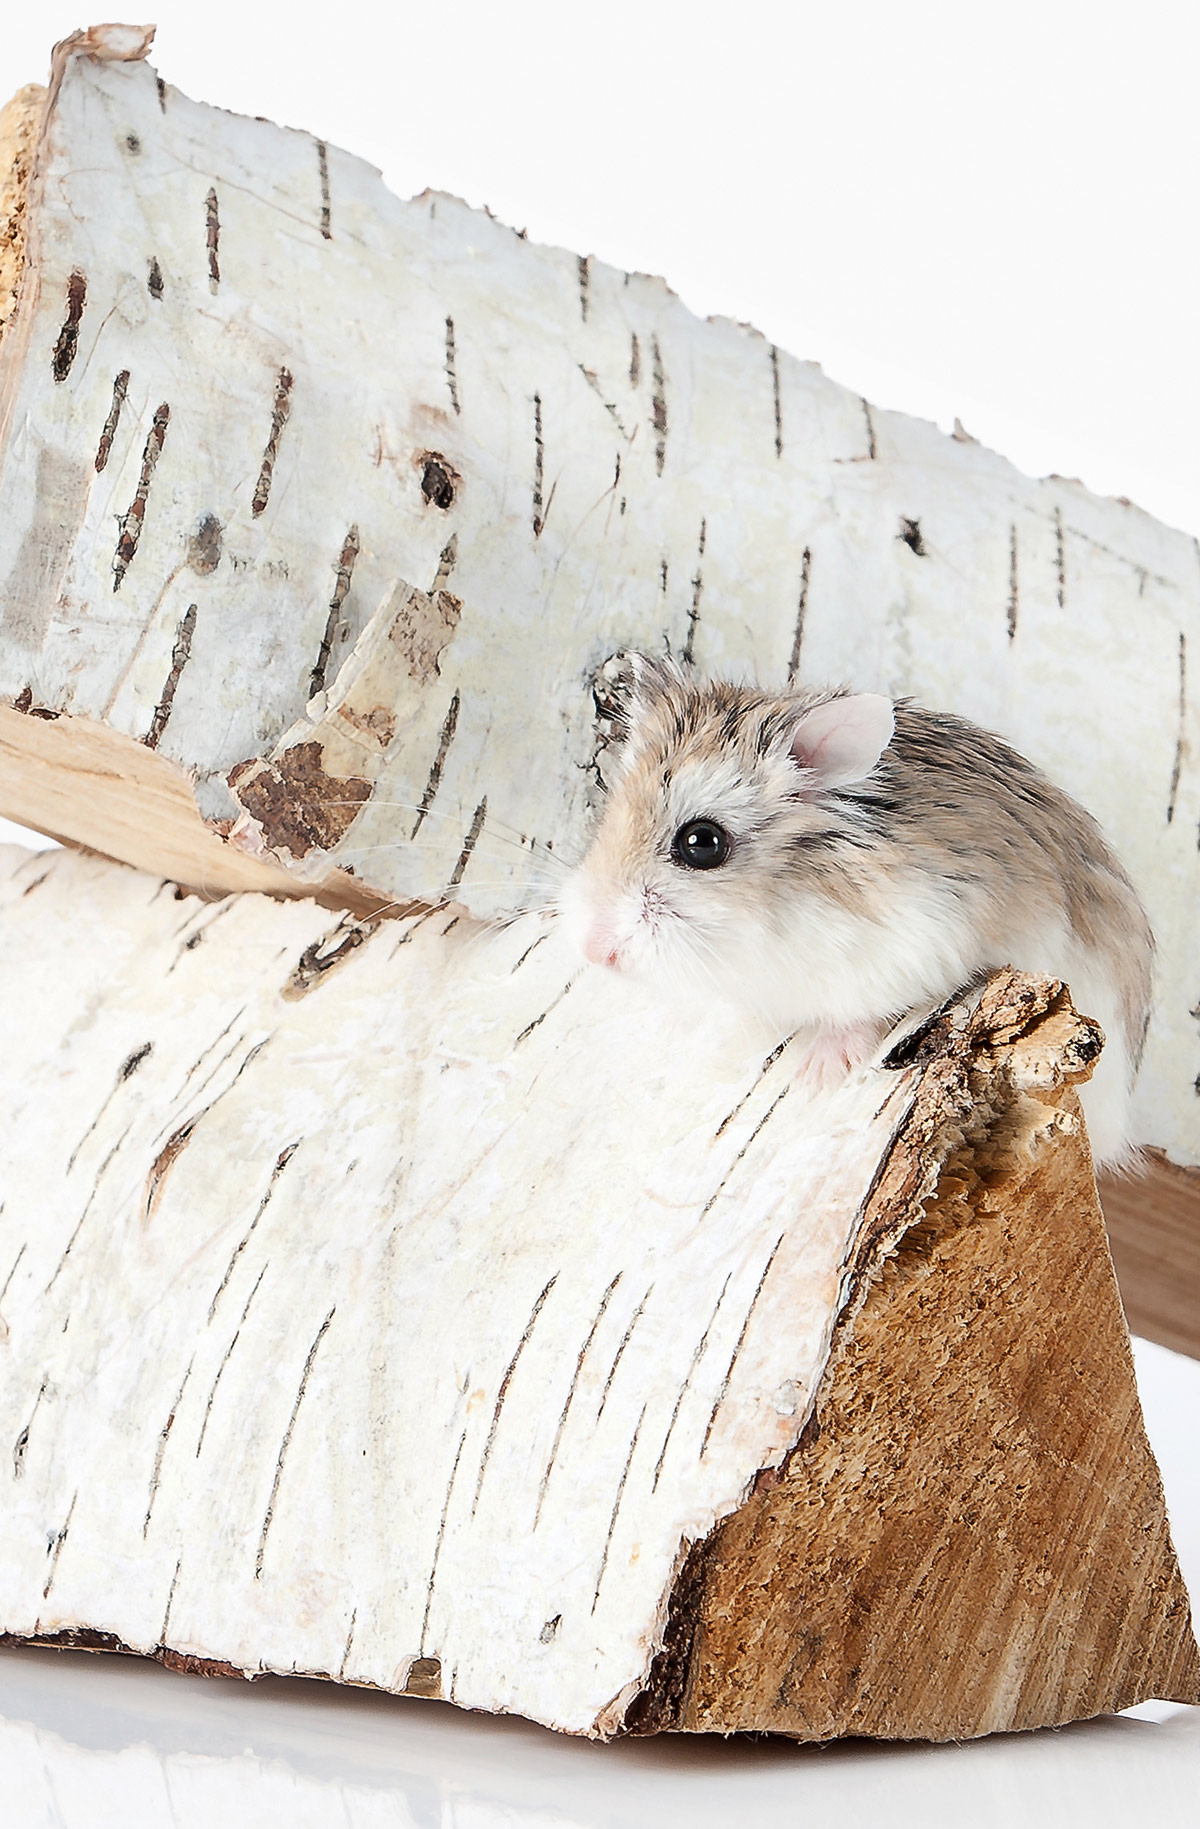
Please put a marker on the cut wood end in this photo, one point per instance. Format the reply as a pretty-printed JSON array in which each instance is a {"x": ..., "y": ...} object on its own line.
[
  {"x": 1153, "y": 1219},
  {"x": 970, "y": 1535}
]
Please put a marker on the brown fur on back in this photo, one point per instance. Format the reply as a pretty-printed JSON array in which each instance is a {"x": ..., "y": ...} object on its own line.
[{"x": 947, "y": 798}]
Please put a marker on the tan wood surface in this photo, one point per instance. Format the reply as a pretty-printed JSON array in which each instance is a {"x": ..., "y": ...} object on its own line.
[
  {"x": 1154, "y": 1229},
  {"x": 972, "y": 1536},
  {"x": 89, "y": 785},
  {"x": 19, "y": 120}
]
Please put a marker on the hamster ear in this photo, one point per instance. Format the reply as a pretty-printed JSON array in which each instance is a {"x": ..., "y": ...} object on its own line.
[
  {"x": 652, "y": 675},
  {"x": 842, "y": 740},
  {"x": 628, "y": 683}
]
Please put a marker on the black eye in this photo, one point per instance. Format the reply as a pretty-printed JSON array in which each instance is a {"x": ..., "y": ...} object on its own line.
[{"x": 701, "y": 845}]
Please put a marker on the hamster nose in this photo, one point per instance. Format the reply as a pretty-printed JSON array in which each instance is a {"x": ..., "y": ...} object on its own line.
[{"x": 600, "y": 948}]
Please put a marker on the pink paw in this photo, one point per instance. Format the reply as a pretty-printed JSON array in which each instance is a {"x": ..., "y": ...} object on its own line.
[{"x": 834, "y": 1054}]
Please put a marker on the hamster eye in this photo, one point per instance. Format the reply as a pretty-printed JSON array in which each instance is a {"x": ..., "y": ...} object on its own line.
[{"x": 701, "y": 845}]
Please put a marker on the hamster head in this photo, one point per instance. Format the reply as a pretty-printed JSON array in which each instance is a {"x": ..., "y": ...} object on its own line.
[{"x": 723, "y": 841}]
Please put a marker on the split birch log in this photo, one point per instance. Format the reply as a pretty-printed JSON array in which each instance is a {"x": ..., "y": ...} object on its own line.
[
  {"x": 383, "y": 1303},
  {"x": 525, "y": 1411},
  {"x": 318, "y": 511}
]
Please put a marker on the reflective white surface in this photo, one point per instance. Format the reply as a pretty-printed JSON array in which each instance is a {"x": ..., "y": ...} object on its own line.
[
  {"x": 11, "y": 834},
  {"x": 86, "y": 1743},
  {"x": 100, "y": 1742}
]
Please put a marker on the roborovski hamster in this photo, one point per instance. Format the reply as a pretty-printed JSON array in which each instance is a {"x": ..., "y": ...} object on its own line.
[{"x": 829, "y": 860}]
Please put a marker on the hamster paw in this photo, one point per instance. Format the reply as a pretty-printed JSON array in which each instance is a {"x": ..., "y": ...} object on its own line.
[{"x": 834, "y": 1054}]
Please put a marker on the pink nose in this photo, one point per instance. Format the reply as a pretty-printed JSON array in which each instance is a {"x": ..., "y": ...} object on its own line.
[{"x": 600, "y": 947}]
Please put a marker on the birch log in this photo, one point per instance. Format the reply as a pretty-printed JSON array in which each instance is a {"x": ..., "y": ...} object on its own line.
[
  {"x": 318, "y": 510},
  {"x": 381, "y": 1302}
]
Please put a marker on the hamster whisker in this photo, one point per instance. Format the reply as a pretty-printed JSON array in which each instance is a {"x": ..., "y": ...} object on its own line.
[
  {"x": 692, "y": 942},
  {"x": 695, "y": 940},
  {"x": 406, "y": 912},
  {"x": 408, "y": 806},
  {"x": 517, "y": 894},
  {"x": 423, "y": 846},
  {"x": 498, "y": 829},
  {"x": 495, "y": 925},
  {"x": 517, "y": 883}
]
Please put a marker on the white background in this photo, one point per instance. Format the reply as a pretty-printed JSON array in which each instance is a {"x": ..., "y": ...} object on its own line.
[
  {"x": 956, "y": 206},
  {"x": 966, "y": 209}
]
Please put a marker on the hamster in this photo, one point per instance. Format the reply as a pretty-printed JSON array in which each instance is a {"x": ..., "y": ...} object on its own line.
[{"x": 828, "y": 861}]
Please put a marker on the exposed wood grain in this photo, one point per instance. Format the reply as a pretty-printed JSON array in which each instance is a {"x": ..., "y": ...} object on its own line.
[
  {"x": 86, "y": 784},
  {"x": 971, "y": 1535},
  {"x": 19, "y": 122},
  {"x": 1153, "y": 1224}
]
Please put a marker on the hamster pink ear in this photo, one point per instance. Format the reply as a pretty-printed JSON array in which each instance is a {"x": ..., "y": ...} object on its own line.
[{"x": 842, "y": 740}]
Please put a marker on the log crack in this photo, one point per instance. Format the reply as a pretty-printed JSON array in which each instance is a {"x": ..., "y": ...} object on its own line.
[
  {"x": 68, "y": 336},
  {"x": 626, "y": 1337},
  {"x": 104, "y": 448},
  {"x": 334, "y": 629},
  {"x": 741, "y": 1341},
  {"x": 163, "y": 1438},
  {"x": 777, "y": 401},
  {"x": 469, "y": 843},
  {"x": 452, "y": 366},
  {"x": 323, "y": 175},
  {"x": 685, "y": 1387},
  {"x": 801, "y": 607},
  {"x": 1182, "y": 733},
  {"x": 212, "y": 239},
  {"x": 713, "y": 1198},
  {"x": 269, "y": 1514},
  {"x": 279, "y": 418},
  {"x": 131, "y": 521},
  {"x": 237, "y": 1333},
  {"x": 437, "y": 1548},
  {"x": 605, "y": 1299},
  {"x": 284, "y": 1157},
  {"x": 612, "y": 1522},
  {"x": 658, "y": 406},
  {"x": 502, "y": 1393},
  {"x": 689, "y": 646},
  {"x": 434, "y": 780},
  {"x": 56, "y": 1546},
  {"x": 180, "y": 653}
]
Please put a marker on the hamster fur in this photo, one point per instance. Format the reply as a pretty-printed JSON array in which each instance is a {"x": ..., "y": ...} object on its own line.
[{"x": 877, "y": 858}]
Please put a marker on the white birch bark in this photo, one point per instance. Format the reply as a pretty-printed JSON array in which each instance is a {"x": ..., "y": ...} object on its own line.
[
  {"x": 372, "y": 1297},
  {"x": 360, "y": 491}
]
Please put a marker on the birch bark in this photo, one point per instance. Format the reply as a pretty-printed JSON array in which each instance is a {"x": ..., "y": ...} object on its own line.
[
  {"x": 321, "y": 508},
  {"x": 386, "y": 1304}
]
